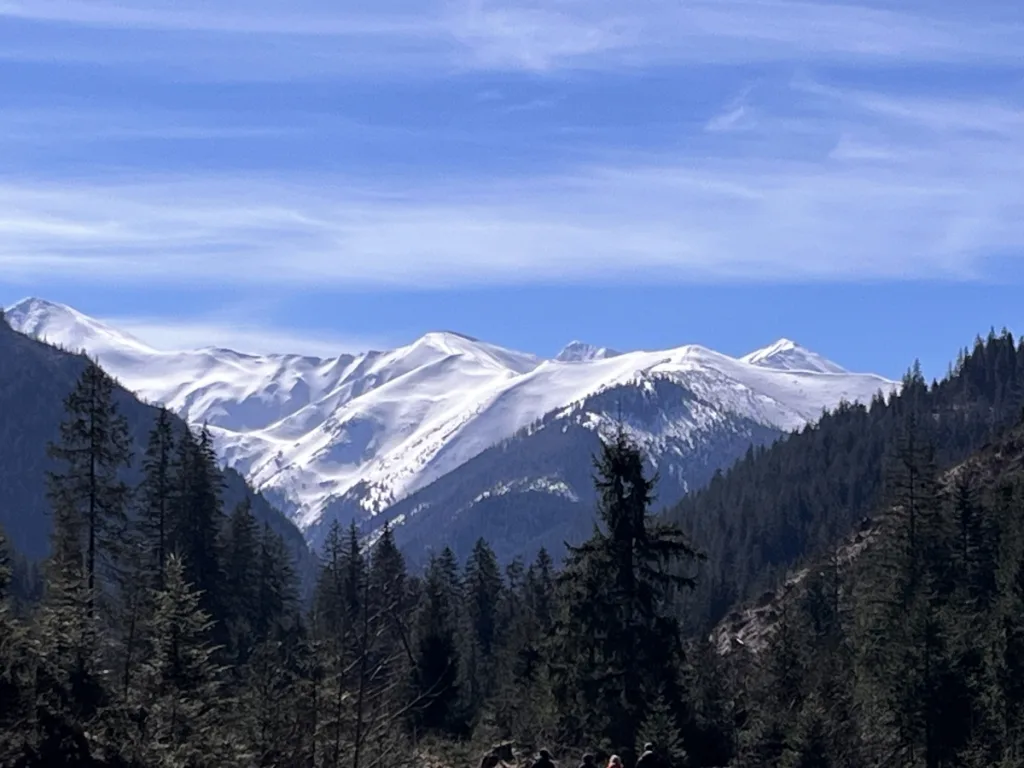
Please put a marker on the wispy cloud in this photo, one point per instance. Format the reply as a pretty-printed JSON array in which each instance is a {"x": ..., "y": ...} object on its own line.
[
  {"x": 78, "y": 124},
  {"x": 738, "y": 115},
  {"x": 859, "y": 198},
  {"x": 240, "y": 335},
  {"x": 801, "y": 180},
  {"x": 413, "y": 38}
]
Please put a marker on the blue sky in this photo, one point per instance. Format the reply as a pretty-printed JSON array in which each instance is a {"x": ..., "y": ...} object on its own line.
[{"x": 316, "y": 176}]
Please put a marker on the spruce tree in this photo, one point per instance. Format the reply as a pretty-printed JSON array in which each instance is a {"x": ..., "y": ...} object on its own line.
[
  {"x": 660, "y": 727},
  {"x": 187, "y": 718},
  {"x": 390, "y": 607},
  {"x": 618, "y": 638},
  {"x": 436, "y": 673},
  {"x": 16, "y": 668},
  {"x": 353, "y": 594},
  {"x": 909, "y": 632},
  {"x": 277, "y": 595},
  {"x": 338, "y": 613},
  {"x": 87, "y": 485},
  {"x": 242, "y": 571},
  {"x": 482, "y": 591},
  {"x": 198, "y": 516},
  {"x": 156, "y": 497},
  {"x": 89, "y": 500}
]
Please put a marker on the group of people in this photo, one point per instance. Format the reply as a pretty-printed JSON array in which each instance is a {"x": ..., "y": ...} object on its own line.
[{"x": 649, "y": 759}]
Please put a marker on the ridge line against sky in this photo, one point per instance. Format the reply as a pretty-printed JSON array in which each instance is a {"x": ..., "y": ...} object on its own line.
[{"x": 271, "y": 170}]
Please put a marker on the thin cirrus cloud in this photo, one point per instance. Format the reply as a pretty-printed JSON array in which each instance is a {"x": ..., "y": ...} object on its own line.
[
  {"x": 417, "y": 37},
  {"x": 857, "y": 194},
  {"x": 241, "y": 335},
  {"x": 793, "y": 178}
]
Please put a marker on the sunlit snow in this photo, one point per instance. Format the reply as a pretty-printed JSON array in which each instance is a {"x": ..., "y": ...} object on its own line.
[{"x": 311, "y": 429}]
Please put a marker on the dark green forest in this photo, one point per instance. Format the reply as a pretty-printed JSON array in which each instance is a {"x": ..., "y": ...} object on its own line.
[
  {"x": 165, "y": 630},
  {"x": 784, "y": 503}
]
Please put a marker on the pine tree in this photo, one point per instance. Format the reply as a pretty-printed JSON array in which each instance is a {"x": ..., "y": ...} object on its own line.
[
  {"x": 339, "y": 605},
  {"x": 242, "y": 571},
  {"x": 909, "y": 632},
  {"x": 274, "y": 662},
  {"x": 353, "y": 594},
  {"x": 618, "y": 637},
  {"x": 277, "y": 595},
  {"x": 661, "y": 728},
  {"x": 810, "y": 745},
  {"x": 134, "y": 590},
  {"x": 94, "y": 448},
  {"x": 186, "y": 715},
  {"x": 540, "y": 585},
  {"x": 198, "y": 516},
  {"x": 328, "y": 600},
  {"x": 156, "y": 497},
  {"x": 390, "y": 606},
  {"x": 482, "y": 591},
  {"x": 16, "y": 698},
  {"x": 89, "y": 527},
  {"x": 436, "y": 655}
]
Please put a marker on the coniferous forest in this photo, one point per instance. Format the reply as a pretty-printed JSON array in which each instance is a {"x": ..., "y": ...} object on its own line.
[{"x": 165, "y": 630}]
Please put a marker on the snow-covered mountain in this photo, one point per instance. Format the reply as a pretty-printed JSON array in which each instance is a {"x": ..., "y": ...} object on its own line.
[{"x": 352, "y": 436}]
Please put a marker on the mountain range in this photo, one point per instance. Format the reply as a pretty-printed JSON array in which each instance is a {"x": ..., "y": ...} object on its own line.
[{"x": 450, "y": 437}]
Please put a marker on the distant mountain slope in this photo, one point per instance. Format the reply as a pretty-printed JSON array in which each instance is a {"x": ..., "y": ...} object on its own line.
[
  {"x": 34, "y": 380},
  {"x": 536, "y": 489},
  {"x": 353, "y": 436},
  {"x": 782, "y": 504}
]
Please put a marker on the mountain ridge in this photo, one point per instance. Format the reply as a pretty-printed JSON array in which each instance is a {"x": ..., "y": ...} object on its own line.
[{"x": 380, "y": 426}]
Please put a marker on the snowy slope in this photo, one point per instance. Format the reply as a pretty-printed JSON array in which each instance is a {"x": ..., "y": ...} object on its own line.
[
  {"x": 383, "y": 425},
  {"x": 786, "y": 355},
  {"x": 580, "y": 352}
]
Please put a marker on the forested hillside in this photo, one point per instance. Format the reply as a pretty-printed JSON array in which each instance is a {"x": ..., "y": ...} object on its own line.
[
  {"x": 35, "y": 379},
  {"x": 784, "y": 502},
  {"x": 911, "y": 652}
]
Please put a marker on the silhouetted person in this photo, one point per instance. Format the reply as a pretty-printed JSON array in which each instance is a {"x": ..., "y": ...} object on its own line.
[
  {"x": 543, "y": 760},
  {"x": 650, "y": 758},
  {"x": 588, "y": 761}
]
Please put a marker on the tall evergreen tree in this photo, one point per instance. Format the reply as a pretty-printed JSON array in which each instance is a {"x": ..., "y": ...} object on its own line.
[
  {"x": 436, "y": 673},
  {"x": 186, "y": 716},
  {"x": 390, "y": 605},
  {"x": 277, "y": 596},
  {"x": 243, "y": 567},
  {"x": 156, "y": 496},
  {"x": 93, "y": 450},
  {"x": 198, "y": 516},
  {"x": 339, "y": 606},
  {"x": 482, "y": 592},
  {"x": 16, "y": 700},
  {"x": 618, "y": 637}
]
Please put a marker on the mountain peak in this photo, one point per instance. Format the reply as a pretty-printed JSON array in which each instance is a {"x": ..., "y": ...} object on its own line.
[
  {"x": 35, "y": 305},
  {"x": 581, "y": 352},
  {"x": 33, "y": 316},
  {"x": 64, "y": 325},
  {"x": 450, "y": 335},
  {"x": 786, "y": 355}
]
